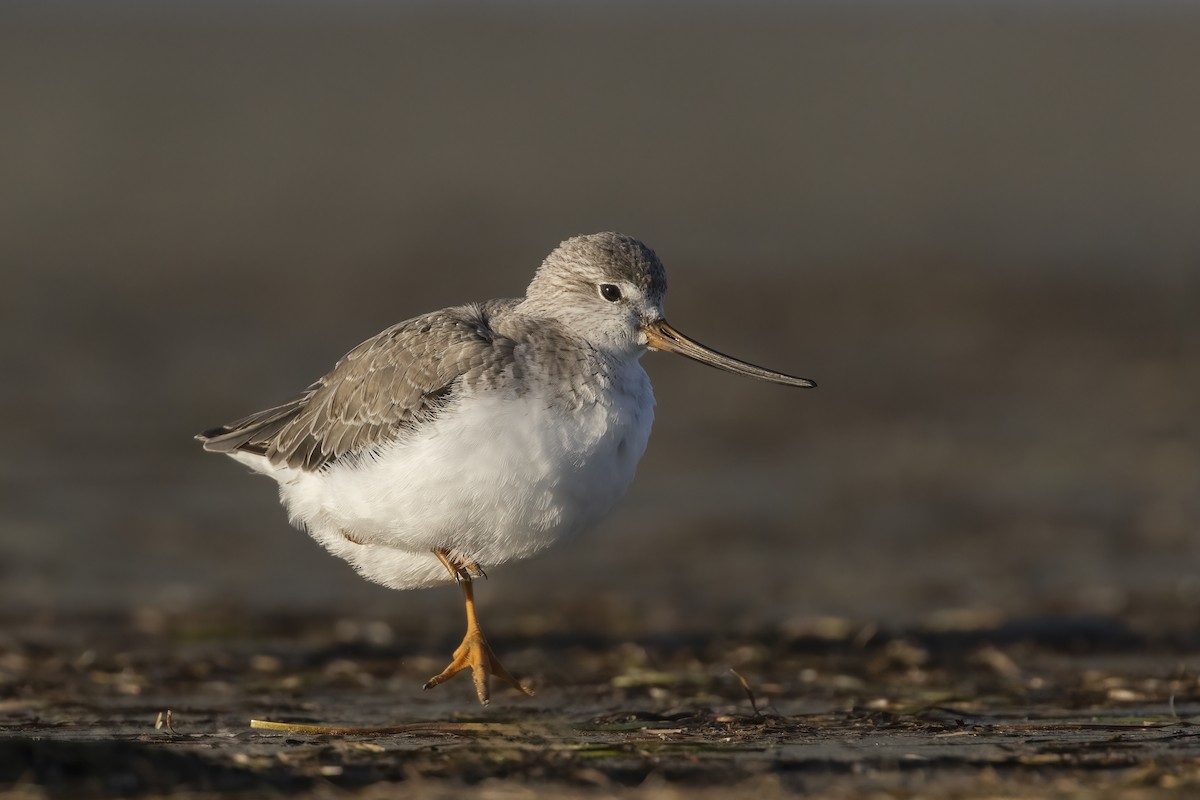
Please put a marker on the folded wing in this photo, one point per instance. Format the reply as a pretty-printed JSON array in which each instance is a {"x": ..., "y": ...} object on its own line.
[{"x": 388, "y": 385}]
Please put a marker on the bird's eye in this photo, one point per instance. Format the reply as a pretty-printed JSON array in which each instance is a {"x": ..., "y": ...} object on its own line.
[{"x": 610, "y": 292}]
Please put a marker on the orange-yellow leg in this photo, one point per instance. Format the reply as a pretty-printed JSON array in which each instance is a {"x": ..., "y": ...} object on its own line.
[{"x": 474, "y": 652}]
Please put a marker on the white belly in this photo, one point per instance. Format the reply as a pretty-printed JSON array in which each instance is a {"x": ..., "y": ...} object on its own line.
[{"x": 495, "y": 478}]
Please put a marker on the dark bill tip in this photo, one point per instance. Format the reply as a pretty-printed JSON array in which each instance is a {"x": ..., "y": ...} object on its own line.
[{"x": 661, "y": 336}]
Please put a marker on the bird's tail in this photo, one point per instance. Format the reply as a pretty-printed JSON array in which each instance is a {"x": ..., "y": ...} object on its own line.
[{"x": 253, "y": 433}]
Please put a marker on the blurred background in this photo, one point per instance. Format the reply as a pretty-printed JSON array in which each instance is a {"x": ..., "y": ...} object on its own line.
[{"x": 977, "y": 226}]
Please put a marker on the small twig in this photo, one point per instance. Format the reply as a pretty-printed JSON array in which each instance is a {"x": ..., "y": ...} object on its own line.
[
  {"x": 165, "y": 720},
  {"x": 412, "y": 727},
  {"x": 749, "y": 691}
]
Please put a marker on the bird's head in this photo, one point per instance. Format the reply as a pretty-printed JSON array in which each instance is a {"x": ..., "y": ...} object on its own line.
[{"x": 608, "y": 288}]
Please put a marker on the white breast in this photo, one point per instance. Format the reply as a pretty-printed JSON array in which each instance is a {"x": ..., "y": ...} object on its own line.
[{"x": 497, "y": 477}]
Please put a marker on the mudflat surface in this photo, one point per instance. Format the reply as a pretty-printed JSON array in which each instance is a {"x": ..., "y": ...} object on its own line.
[{"x": 1020, "y": 710}]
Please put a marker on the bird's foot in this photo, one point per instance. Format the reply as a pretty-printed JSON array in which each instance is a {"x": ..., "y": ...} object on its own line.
[
  {"x": 476, "y": 653},
  {"x": 459, "y": 568}
]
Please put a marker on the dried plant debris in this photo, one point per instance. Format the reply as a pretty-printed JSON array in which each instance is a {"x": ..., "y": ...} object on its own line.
[
  {"x": 165, "y": 720},
  {"x": 937, "y": 712}
]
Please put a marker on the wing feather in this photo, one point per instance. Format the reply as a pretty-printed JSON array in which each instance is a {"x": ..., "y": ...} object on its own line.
[{"x": 391, "y": 383}]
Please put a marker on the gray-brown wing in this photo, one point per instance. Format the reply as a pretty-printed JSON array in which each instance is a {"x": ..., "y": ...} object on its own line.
[{"x": 388, "y": 384}]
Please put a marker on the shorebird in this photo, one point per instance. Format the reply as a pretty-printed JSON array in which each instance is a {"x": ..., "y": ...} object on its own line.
[{"x": 469, "y": 437}]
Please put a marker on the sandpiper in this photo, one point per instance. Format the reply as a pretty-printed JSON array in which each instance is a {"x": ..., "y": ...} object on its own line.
[{"x": 480, "y": 434}]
